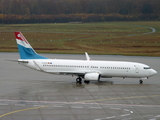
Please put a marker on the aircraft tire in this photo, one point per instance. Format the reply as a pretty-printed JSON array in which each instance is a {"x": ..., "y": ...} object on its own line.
[
  {"x": 79, "y": 80},
  {"x": 86, "y": 81},
  {"x": 140, "y": 81}
]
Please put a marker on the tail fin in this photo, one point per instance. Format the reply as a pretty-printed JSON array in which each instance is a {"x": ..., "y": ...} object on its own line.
[{"x": 25, "y": 49}]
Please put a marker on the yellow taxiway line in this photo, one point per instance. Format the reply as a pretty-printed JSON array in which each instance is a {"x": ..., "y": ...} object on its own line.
[{"x": 79, "y": 102}]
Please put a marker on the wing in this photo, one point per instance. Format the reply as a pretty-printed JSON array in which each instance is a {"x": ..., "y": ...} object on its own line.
[
  {"x": 66, "y": 72},
  {"x": 87, "y": 56}
]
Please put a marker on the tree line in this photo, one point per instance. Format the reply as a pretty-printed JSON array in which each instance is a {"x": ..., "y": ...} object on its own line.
[{"x": 46, "y": 11}]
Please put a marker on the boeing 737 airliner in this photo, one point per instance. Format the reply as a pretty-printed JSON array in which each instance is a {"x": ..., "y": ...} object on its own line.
[{"x": 84, "y": 69}]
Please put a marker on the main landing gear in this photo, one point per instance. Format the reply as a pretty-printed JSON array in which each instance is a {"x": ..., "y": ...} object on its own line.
[
  {"x": 140, "y": 81},
  {"x": 79, "y": 80},
  {"x": 86, "y": 81}
]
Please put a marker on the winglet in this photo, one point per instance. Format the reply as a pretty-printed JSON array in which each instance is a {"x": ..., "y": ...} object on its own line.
[
  {"x": 25, "y": 49},
  {"x": 87, "y": 57}
]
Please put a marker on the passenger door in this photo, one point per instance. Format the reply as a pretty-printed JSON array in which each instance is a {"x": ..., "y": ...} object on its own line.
[{"x": 136, "y": 68}]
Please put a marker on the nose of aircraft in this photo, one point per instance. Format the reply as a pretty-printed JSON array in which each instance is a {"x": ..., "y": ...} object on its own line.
[{"x": 153, "y": 72}]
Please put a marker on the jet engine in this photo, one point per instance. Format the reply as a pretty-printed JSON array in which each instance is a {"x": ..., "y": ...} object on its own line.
[{"x": 92, "y": 76}]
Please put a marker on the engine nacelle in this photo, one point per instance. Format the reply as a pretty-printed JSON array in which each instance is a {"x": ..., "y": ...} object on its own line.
[{"x": 92, "y": 76}]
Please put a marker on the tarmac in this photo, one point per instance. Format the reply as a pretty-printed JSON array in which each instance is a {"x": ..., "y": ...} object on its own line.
[{"x": 31, "y": 95}]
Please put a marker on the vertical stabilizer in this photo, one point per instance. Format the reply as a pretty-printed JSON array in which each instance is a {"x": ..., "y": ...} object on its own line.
[{"x": 25, "y": 49}]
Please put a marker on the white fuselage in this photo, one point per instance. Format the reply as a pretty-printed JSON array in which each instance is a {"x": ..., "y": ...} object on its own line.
[{"x": 81, "y": 67}]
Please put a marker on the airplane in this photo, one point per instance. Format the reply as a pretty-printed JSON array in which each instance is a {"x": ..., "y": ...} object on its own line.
[{"x": 89, "y": 70}]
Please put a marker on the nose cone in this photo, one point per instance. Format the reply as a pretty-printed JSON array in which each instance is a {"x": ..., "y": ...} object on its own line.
[{"x": 153, "y": 72}]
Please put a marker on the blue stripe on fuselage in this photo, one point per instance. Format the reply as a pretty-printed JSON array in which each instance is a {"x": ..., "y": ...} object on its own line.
[{"x": 28, "y": 53}]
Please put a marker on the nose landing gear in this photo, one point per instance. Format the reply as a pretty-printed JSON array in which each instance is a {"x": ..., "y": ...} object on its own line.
[{"x": 140, "y": 81}]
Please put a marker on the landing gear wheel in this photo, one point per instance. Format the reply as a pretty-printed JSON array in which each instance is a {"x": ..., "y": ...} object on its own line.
[
  {"x": 86, "y": 81},
  {"x": 79, "y": 80},
  {"x": 140, "y": 81}
]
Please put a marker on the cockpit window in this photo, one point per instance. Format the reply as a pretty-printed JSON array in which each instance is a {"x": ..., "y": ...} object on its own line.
[{"x": 147, "y": 68}]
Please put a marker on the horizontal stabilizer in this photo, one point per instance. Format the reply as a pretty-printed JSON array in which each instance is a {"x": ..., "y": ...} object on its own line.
[
  {"x": 19, "y": 61},
  {"x": 11, "y": 60}
]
